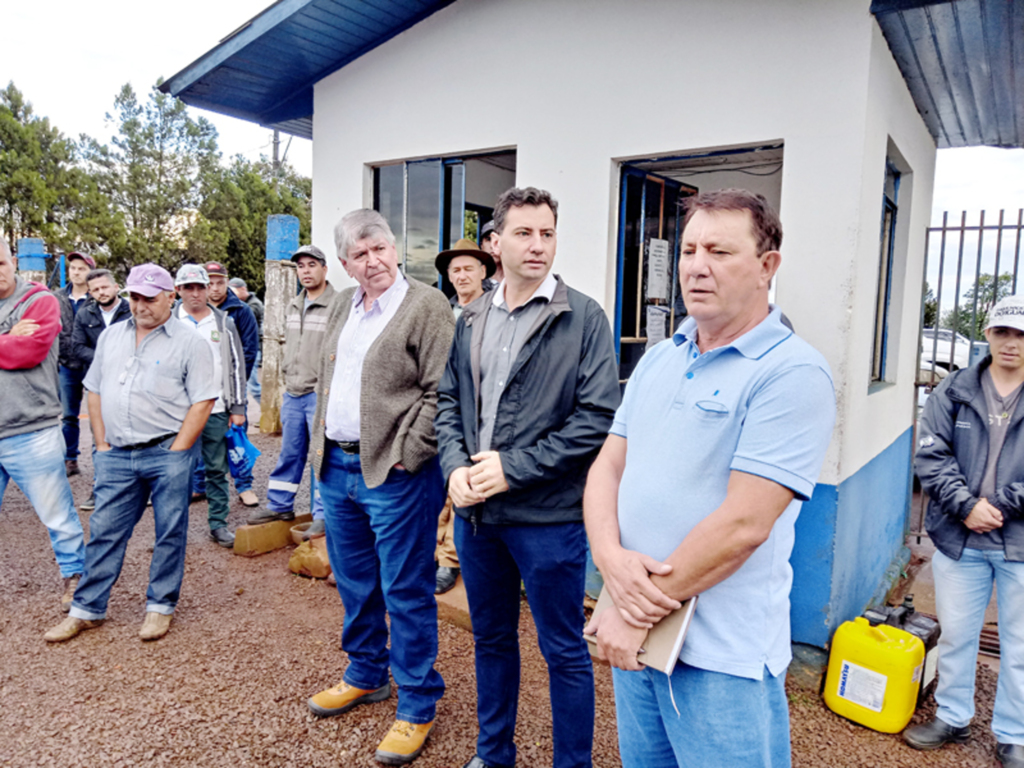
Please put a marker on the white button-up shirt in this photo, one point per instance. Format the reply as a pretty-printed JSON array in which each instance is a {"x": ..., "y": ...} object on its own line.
[{"x": 357, "y": 336}]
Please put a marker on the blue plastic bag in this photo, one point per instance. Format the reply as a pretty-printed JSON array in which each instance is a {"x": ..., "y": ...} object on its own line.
[{"x": 242, "y": 454}]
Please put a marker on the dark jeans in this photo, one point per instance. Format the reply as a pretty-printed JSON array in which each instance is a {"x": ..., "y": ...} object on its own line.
[
  {"x": 551, "y": 561},
  {"x": 215, "y": 458},
  {"x": 381, "y": 545},
  {"x": 71, "y": 403},
  {"x": 125, "y": 480}
]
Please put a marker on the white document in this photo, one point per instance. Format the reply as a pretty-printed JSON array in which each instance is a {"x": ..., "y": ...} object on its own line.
[
  {"x": 657, "y": 269},
  {"x": 657, "y": 324}
]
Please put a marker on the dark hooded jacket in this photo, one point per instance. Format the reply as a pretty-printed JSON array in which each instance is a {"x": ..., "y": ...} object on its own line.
[{"x": 248, "y": 330}]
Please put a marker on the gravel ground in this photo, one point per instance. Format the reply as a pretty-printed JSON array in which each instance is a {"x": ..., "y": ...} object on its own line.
[{"x": 250, "y": 642}]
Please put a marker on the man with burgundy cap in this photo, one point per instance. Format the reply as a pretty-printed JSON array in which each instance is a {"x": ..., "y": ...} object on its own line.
[
  {"x": 72, "y": 298},
  {"x": 151, "y": 387}
]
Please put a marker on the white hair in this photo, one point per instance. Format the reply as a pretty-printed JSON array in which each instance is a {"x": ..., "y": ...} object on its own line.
[{"x": 357, "y": 225}]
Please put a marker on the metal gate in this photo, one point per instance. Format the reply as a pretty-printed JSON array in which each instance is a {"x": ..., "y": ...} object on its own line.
[{"x": 968, "y": 267}]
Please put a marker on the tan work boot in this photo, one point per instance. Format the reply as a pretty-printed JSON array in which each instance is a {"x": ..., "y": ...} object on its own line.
[
  {"x": 403, "y": 743},
  {"x": 69, "y": 628},
  {"x": 249, "y": 499},
  {"x": 70, "y": 585},
  {"x": 342, "y": 697},
  {"x": 155, "y": 626}
]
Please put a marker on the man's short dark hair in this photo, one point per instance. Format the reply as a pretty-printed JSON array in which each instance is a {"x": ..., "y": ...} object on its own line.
[
  {"x": 95, "y": 273},
  {"x": 767, "y": 229},
  {"x": 517, "y": 198}
]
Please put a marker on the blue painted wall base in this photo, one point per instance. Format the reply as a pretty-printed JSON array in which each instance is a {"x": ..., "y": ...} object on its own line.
[{"x": 850, "y": 546}]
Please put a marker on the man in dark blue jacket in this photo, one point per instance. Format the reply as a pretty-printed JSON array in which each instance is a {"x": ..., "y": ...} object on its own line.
[
  {"x": 970, "y": 460},
  {"x": 538, "y": 358},
  {"x": 72, "y": 298}
]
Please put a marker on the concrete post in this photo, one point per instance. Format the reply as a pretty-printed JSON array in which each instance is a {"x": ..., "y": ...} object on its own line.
[
  {"x": 32, "y": 257},
  {"x": 281, "y": 287}
]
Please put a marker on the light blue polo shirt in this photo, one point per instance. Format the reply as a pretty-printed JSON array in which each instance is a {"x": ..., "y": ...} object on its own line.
[{"x": 764, "y": 405}]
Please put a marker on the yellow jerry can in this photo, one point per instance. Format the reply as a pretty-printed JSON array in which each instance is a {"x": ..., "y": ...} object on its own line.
[{"x": 874, "y": 674}]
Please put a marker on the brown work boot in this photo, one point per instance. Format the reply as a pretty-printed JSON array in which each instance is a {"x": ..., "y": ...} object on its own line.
[
  {"x": 70, "y": 585},
  {"x": 69, "y": 628},
  {"x": 342, "y": 697},
  {"x": 403, "y": 743},
  {"x": 155, "y": 626}
]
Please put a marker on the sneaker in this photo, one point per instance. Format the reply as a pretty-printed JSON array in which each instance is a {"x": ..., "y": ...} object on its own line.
[
  {"x": 155, "y": 626},
  {"x": 89, "y": 504},
  {"x": 249, "y": 499},
  {"x": 69, "y": 628},
  {"x": 223, "y": 536},
  {"x": 71, "y": 467},
  {"x": 403, "y": 743},
  {"x": 315, "y": 531},
  {"x": 342, "y": 697},
  {"x": 445, "y": 579},
  {"x": 269, "y": 516},
  {"x": 934, "y": 734},
  {"x": 70, "y": 585}
]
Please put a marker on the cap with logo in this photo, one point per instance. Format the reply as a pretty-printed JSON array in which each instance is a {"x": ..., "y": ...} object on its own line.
[
  {"x": 487, "y": 229},
  {"x": 89, "y": 260},
  {"x": 1008, "y": 313},
  {"x": 148, "y": 280},
  {"x": 310, "y": 250},
  {"x": 191, "y": 274},
  {"x": 216, "y": 268}
]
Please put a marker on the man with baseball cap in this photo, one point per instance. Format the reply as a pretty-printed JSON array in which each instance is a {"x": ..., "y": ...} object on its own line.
[
  {"x": 217, "y": 329},
  {"x": 487, "y": 244},
  {"x": 305, "y": 324},
  {"x": 72, "y": 298},
  {"x": 239, "y": 287},
  {"x": 151, "y": 388},
  {"x": 970, "y": 459}
]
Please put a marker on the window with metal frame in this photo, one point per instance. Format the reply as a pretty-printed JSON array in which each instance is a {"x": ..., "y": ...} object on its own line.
[{"x": 883, "y": 298}]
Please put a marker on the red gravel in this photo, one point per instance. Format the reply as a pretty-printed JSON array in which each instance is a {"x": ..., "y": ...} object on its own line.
[{"x": 250, "y": 642}]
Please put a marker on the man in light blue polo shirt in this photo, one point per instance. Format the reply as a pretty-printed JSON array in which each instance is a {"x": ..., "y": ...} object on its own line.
[{"x": 719, "y": 440}]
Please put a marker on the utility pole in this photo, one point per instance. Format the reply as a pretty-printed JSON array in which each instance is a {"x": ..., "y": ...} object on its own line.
[{"x": 277, "y": 157}]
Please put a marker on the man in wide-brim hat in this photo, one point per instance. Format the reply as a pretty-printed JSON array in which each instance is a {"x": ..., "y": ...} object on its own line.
[{"x": 467, "y": 267}]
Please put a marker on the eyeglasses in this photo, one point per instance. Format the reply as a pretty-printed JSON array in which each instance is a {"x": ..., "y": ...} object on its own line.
[{"x": 127, "y": 369}]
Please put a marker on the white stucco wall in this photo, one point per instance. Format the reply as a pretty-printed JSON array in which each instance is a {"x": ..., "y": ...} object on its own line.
[{"x": 580, "y": 94}]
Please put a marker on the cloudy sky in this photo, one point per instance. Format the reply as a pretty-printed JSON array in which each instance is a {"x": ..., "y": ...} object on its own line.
[{"x": 70, "y": 58}]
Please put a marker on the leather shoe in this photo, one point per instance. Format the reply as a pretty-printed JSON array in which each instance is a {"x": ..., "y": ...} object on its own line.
[
  {"x": 403, "y": 743},
  {"x": 71, "y": 467},
  {"x": 316, "y": 529},
  {"x": 249, "y": 499},
  {"x": 477, "y": 762},
  {"x": 445, "y": 579},
  {"x": 268, "y": 516},
  {"x": 934, "y": 734},
  {"x": 69, "y": 628},
  {"x": 70, "y": 585},
  {"x": 223, "y": 536},
  {"x": 1010, "y": 755},
  {"x": 155, "y": 626},
  {"x": 342, "y": 697}
]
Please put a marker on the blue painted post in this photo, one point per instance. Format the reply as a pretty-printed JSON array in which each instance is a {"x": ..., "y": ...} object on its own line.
[
  {"x": 281, "y": 286},
  {"x": 32, "y": 258}
]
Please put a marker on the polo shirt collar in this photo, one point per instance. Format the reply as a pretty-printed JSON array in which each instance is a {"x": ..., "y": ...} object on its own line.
[
  {"x": 384, "y": 299},
  {"x": 546, "y": 291},
  {"x": 753, "y": 344}
]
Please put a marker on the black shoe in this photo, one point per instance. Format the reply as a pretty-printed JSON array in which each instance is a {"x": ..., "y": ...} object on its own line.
[
  {"x": 445, "y": 580},
  {"x": 268, "y": 516},
  {"x": 197, "y": 497},
  {"x": 477, "y": 762},
  {"x": 934, "y": 734},
  {"x": 71, "y": 467},
  {"x": 1010, "y": 755},
  {"x": 223, "y": 536},
  {"x": 89, "y": 504}
]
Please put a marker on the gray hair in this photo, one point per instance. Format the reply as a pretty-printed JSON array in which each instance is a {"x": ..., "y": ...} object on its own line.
[{"x": 357, "y": 225}]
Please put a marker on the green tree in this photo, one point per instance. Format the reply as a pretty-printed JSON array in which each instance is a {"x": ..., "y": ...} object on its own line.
[
  {"x": 988, "y": 291},
  {"x": 931, "y": 307}
]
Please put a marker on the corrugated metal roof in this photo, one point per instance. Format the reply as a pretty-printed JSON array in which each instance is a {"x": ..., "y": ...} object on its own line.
[
  {"x": 964, "y": 64},
  {"x": 265, "y": 70}
]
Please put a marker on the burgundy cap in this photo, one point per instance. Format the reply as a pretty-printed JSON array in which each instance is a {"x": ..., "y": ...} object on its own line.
[
  {"x": 76, "y": 255},
  {"x": 149, "y": 280},
  {"x": 215, "y": 268}
]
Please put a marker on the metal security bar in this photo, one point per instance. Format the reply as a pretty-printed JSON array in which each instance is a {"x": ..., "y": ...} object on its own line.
[{"x": 968, "y": 267}]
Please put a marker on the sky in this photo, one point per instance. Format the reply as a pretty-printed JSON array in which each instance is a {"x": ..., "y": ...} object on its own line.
[{"x": 70, "y": 58}]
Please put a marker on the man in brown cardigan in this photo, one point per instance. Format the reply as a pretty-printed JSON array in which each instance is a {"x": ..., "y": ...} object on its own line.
[{"x": 375, "y": 454}]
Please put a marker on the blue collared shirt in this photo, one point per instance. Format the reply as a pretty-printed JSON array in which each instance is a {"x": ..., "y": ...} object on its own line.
[
  {"x": 763, "y": 405},
  {"x": 146, "y": 390}
]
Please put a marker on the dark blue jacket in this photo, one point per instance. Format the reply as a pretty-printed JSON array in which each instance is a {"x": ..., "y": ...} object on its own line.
[
  {"x": 248, "y": 330},
  {"x": 87, "y": 329},
  {"x": 950, "y": 462},
  {"x": 553, "y": 415}
]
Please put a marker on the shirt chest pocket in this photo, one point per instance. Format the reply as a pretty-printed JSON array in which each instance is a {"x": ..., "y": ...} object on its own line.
[
  {"x": 164, "y": 381},
  {"x": 711, "y": 411}
]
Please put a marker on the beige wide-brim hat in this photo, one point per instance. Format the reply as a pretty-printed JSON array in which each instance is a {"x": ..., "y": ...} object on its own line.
[{"x": 465, "y": 247}]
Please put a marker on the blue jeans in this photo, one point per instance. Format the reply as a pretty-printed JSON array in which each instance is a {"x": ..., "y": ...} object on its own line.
[
  {"x": 125, "y": 480},
  {"x": 71, "y": 403},
  {"x": 723, "y": 720},
  {"x": 963, "y": 589},
  {"x": 381, "y": 545},
  {"x": 35, "y": 462},
  {"x": 296, "y": 425},
  {"x": 550, "y": 560}
]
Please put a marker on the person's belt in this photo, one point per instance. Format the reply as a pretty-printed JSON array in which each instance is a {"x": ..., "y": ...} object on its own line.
[
  {"x": 345, "y": 446},
  {"x": 148, "y": 443}
]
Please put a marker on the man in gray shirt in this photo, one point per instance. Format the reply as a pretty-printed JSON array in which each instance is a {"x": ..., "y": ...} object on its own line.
[{"x": 151, "y": 388}]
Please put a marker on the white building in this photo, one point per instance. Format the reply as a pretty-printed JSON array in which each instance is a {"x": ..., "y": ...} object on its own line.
[{"x": 428, "y": 110}]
